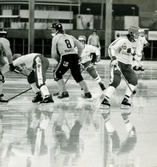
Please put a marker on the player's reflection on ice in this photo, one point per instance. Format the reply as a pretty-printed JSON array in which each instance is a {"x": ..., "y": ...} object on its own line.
[
  {"x": 38, "y": 121},
  {"x": 118, "y": 152},
  {"x": 66, "y": 129}
]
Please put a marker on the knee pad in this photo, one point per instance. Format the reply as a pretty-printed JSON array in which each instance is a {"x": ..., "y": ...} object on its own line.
[
  {"x": 2, "y": 77},
  {"x": 116, "y": 79},
  {"x": 31, "y": 77}
]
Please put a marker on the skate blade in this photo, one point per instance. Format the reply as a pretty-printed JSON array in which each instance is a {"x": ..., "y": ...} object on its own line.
[
  {"x": 125, "y": 107},
  {"x": 104, "y": 106}
]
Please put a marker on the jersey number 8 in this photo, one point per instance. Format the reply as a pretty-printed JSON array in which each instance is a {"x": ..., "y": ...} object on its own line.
[{"x": 68, "y": 43}]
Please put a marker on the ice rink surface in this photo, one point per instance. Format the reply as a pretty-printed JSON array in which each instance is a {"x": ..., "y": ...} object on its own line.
[{"x": 72, "y": 132}]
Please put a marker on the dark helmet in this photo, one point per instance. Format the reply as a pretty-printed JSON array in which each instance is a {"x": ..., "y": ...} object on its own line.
[
  {"x": 3, "y": 32},
  {"x": 58, "y": 26}
]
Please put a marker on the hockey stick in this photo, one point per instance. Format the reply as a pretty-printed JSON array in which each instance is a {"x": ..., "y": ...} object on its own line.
[
  {"x": 133, "y": 91},
  {"x": 19, "y": 94},
  {"x": 19, "y": 72}
]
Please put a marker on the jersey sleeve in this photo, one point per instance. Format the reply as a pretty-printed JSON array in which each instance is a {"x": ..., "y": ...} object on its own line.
[
  {"x": 54, "y": 53},
  {"x": 7, "y": 50},
  {"x": 114, "y": 46},
  {"x": 79, "y": 45}
]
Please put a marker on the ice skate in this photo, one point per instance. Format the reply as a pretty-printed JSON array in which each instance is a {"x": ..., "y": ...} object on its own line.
[
  {"x": 105, "y": 104},
  {"x": 48, "y": 99},
  {"x": 102, "y": 86},
  {"x": 125, "y": 104},
  {"x": 63, "y": 95},
  {"x": 37, "y": 98},
  {"x": 2, "y": 100},
  {"x": 88, "y": 95}
]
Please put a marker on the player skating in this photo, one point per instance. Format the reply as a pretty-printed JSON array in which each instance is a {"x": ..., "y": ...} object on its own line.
[
  {"x": 64, "y": 53},
  {"x": 86, "y": 60},
  {"x": 144, "y": 43},
  {"x": 35, "y": 66},
  {"x": 121, "y": 52}
]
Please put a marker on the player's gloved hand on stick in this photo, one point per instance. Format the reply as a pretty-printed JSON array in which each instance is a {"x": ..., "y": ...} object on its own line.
[
  {"x": 12, "y": 67},
  {"x": 114, "y": 61}
]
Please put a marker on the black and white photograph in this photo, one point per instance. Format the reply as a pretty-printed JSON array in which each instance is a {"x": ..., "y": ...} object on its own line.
[{"x": 78, "y": 83}]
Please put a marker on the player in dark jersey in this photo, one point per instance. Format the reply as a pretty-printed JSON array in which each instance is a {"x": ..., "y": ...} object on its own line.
[{"x": 64, "y": 53}]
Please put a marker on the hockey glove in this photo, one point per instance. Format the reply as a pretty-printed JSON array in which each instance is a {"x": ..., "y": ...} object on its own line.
[
  {"x": 114, "y": 61},
  {"x": 129, "y": 50},
  {"x": 12, "y": 67}
]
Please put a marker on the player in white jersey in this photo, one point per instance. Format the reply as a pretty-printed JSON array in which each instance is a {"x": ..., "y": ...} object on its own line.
[
  {"x": 86, "y": 60},
  {"x": 35, "y": 65},
  {"x": 94, "y": 40},
  {"x": 5, "y": 51},
  {"x": 144, "y": 43},
  {"x": 121, "y": 52},
  {"x": 64, "y": 53}
]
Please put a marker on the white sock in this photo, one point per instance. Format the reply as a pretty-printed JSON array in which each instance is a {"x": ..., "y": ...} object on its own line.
[
  {"x": 110, "y": 90},
  {"x": 34, "y": 88},
  {"x": 128, "y": 91},
  {"x": 44, "y": 91}
]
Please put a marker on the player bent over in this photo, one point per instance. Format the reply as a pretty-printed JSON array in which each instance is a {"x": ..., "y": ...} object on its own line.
[
  {"x": 64, "y": 53},
  {"x": 121, "y": 52},
  {"x": 87, "y": 61},
  {"x": 35, "y": 65}
]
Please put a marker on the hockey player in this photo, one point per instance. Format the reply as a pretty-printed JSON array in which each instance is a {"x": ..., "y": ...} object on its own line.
[
  {"x": 144, "y": 43},
  {"x": 35, "y": 66},
  {"x": 85, "y": 60},
  {"x": 121, "y": 52},
  {"x": 64, "y": 53},
  {"x": 5, "y": 51}
]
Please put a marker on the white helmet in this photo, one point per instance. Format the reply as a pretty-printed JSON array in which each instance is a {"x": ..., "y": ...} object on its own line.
[
  {"x": 141, "y": 32},
  {"x": 82, "y": 38}
]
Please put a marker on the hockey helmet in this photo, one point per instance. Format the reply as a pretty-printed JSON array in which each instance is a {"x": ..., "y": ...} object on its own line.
[
  {"x": 58, "y": 26},
  {"x": 3, "y": 31},
  {"x": 141, "y": 32},
  {"x": 134, "y": 32},
  {"x": 82, "y": 38}
]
